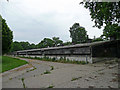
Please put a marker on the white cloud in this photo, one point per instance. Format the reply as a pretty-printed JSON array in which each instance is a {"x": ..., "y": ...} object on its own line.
[{"x": 33, "y": 20}]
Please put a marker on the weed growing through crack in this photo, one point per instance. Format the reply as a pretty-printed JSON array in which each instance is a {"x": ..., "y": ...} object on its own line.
[
  {"x": 52, "y": 68},
  {"x": 10, "y": 78},
  {"x": 47, "y": 72},
  {"x": 23, "y": 82},
  {"x": 31, "y": 69},
  {"x": 73, "y": 79},
  {"x": 51, "y": 86}
]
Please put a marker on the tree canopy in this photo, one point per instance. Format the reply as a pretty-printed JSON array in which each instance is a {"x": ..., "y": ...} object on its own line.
[
  {"x": 16, "y": 46},
  {"x": 7, "y": 37},
  {"x": 57, "y": 41},
  {"x": 46, "y": 42},
  {"x": 78, "y": 34},
  {"x": 103, "y": 12},
  {"x": 112, "y": 31}
]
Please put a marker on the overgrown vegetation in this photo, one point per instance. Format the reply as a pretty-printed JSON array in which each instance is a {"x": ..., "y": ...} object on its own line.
[
  {"x": 47, "y": 72},
  {"x": 6, "y": 36},
  {"x": 105, "y": 14},
  {"x": 73, "y": 79},
  {"x": 97, "y": 39},
  {"x": 31, "y": 69},
  {"x": 23, "y": 82},
  {"x": 9, "y": 63},
  {"x": 0, "y": 64},
  {"x": 46, "y": 42},
  {"x": 61, "y": 60},
  {"x": 52, "y": 68},
  {"x": 51, "y": 86},
  {"x": 78, "y": 34}
]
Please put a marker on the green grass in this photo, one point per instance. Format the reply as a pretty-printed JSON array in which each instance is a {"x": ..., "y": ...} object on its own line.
[
  {"x": 9, "y": 63},
  {"x": 0, "y": 64}
]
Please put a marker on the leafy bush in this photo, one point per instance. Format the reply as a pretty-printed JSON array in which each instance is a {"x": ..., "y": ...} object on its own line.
[{"x": 97, "y": 39}]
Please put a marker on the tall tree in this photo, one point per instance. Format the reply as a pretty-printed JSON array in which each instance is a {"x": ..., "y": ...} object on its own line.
[
  {"x": 78, "y": 34},
  {"x": 57, "y": 41},
  {"x": 0, "y": 35},
  {"x": 112, "y": 32},
  {"x": 25, "y": 45},
  {"x": 7, "y": 37},
  {"x": 32, "y": 46},
  {"x": 105, "y": 14},
  {"x": 16, "y": 46},
  {"x": 67, "y": 43},
  {"x": 46, "y": 42}
]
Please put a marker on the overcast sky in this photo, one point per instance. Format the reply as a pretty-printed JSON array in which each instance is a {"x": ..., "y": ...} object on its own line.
[{"x": 34, "y": 20}]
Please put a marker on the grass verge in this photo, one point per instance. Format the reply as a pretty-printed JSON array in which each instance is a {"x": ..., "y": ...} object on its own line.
[{"x": 9, "y": 63}]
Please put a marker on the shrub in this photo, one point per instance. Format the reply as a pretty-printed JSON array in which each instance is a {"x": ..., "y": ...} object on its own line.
[
  {"x": 83, "y": 62},
  {"x": 53, "y": 59}
]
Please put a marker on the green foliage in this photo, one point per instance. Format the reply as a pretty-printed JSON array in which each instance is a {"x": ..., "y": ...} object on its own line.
[
  {"x": 22, "y": 79},
  {"x": 67, "y": 43},
  {"x": 46, "y": 42},
  {"x": 51, "y": 86},
  {"x": 25, "y": 45},
  {"x": 73, "y": 79},
  {"x": 32, "y": 46},
  {"x": 78, "y": 34},
  {"x": 57, "y": 41},
  {"x": 61, "y": 60},
  {"x": 7, "y": 37},
  {"x": 53, "y": 59},
  {"x": 107, "y": 14},
  {"x": 112, "y": 31},
  {"x": 47, "y": 72},
  {"x": 103, "y": 12},
  {"x": 97, "y": 39},
  {"x": 52, "y": 68},
  {"x": 16, "y": 46}
]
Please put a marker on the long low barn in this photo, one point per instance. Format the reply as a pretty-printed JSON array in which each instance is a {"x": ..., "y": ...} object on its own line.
[{"x": 91, "y": 52}]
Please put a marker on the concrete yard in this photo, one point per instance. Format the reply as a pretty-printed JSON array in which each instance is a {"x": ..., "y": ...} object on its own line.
[{"x": 60, "y": 75}]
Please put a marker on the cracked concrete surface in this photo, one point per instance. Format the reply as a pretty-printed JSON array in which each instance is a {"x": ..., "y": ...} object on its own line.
[{"x": 98, "y": 75}]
